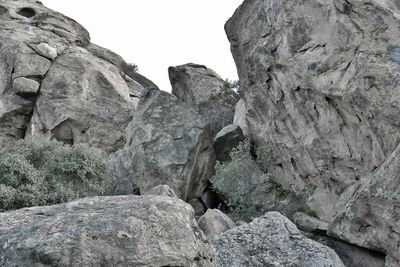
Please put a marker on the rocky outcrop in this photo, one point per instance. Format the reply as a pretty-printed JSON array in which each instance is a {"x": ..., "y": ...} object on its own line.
[
  {"x": 371, "y": 218},
  {"x": 206, "y": 91},
  {"x": 351, "y": 255},
  {"x": 54, "y": 82},
  {"x": 271, "y": 240},
  {"x": 215, "y": 222},
  {"x": 227, "y": 139},
  {"x": 167, "y": 143},
  {"x": 240, "y": 117},
  {"x": 104, "y": 231},
  {"x": 320, "y": 83}
]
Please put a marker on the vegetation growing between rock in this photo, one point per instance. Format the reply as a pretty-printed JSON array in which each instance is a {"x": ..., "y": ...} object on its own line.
[
  {"x": 248, "y": 188},
  {"x": 39, "y": 172}
]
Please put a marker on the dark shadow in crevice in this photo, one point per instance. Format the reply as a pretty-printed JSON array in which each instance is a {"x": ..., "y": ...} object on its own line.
[{"x": 27, "y": 12}]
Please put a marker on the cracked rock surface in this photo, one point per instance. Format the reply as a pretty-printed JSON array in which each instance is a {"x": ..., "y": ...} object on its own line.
[
  {"x": 167, "y": 143},
  {"x": 271, "y": 240},
  {"x": 104, "y": 231},
  {"x": 320, "y": 80},
  {"x": 54, "y": 82}
]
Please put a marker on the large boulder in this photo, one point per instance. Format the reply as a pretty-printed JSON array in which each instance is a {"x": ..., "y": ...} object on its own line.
[
  {"x": 372, "y": 216},
  {"x": 54, "y": 82},
  {"x": 168, "y": 143},
  {"x": 271, "y": 240},
  {"x": 104, "y": 231},
  {"x": 320, "y": 81},
  {"x": 203, "y": 89}
]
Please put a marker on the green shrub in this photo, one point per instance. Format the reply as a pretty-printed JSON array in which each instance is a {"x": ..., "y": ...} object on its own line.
[
  {"x": 217, "y": 114},
  {"x": 247, "y": 187},
  {"x": 40, "y": 172},
  {"x": 232, "y": 179}
]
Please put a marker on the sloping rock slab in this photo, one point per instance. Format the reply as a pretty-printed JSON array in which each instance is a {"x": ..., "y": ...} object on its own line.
[
  {"x": 372, "y": 216},
  {"x": 168, "y": 143},
  {"x": 271, "y": 240},
  {"x": 104, "y": 231}
]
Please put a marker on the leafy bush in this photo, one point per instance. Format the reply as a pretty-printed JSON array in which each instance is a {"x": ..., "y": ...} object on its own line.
[
  {"x": 233, "y": 84},
  {"x": 232, "y": 179},
  {"x": 40, "y": 172},
  {"x": 133, "y": 67},
  {"x": 217, "y": 115},
  {"x": 248, "y": 188}
]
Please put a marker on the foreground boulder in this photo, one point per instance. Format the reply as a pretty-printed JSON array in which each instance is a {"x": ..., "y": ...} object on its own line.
[
  {"x": 54, "y": 82},
  {"x": 320, "y": 83},
  {"x": 104, "y": 231},
  {"x": 371, "y": 218},
  {"x": 167, "y": 143},
  {"x": 206, "y": 91},
  {"x": 271, "y": 240}
]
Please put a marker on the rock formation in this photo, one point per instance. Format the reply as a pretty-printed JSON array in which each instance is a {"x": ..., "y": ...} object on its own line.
[
  {"x": 167, "y": 143},
  {"x": 215, "y": 222},
  {"x": 54, "y": 82},
  {"x": 227, "y": 139},
  {"x": 104, "y": 231},
  {"x": 371, "y": 218},
  {"x": 320, "y": 83},
  {"x": 206, "y": 91},
  {"x": 271, "y": 240}
]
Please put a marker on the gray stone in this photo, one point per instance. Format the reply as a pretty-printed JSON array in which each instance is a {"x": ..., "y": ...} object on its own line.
[
  {"x": 83, "y": 99},
  {"x": 320, "y": 81},
  {"x": 30, "y": 65},
  {"x": 47, "y": 51},
  {"x": 198, "y": 207},
  {"x": 162, "y": 190},
  {"x": 206, "y": 91},
  {"x": 240, "y": 116},
  {"x": 371, "y": 218},
  {"x": 351, "y": 255},
  {"x": 14, "y": 116},
  {"x": 226, "y": 140},
  {"x": 85, "y": 95},
  {"x": 215, "y": 222},
  {"x": 104, "y": 231},
  {"x": 306, "y": 222},
  {"x": 167, "y": 143},
  {"x": 271, "y": 240},
  {"x": 24, "y": 85}
]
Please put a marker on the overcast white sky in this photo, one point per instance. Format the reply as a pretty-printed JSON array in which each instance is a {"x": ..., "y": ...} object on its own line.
[{"x": 156, "y": 34}]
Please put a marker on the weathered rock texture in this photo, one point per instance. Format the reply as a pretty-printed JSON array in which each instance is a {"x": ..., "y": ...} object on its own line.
[
  {"x": 214, "y": 222},
  {"x": 372, "y": 216},
  {"x": 320, "y": 80},
  {"x": 167, "y": 143},
  {"x": 206, "y": 91},
  {"x": 54, "y": 82},
  {"x": 227, "y": 139},
  {"x": 351, "y": 255},
  {"x": 104, "y": 231},
  {"x": 271, "y": 240}
]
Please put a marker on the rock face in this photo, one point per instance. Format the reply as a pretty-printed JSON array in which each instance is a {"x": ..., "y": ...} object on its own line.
[
  {"x": 53, "y": 82},
  {"x": 371, "y": 218},
  {"x": 206, "y": 91},
  {"x": 167, "y": 143},
  {"x": 320, "y": 81},
  {"x": 104, "y": 231},
  {"x": 214, "y": 222},
  {"x": 240, "y": 116},
  {"x": 271, "y": 240},
  {"x": 227, "y": 139}
]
